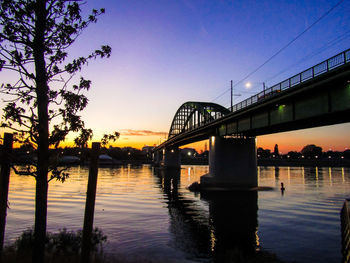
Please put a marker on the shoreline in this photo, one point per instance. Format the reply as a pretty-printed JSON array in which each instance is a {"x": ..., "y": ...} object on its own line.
[
  {"x": 335, "y": 162},
  {"x": 305, "y": 162}
]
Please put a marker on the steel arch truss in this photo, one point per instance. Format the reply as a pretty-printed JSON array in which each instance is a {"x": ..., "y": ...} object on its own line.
[{"x": 192, "y": 115}]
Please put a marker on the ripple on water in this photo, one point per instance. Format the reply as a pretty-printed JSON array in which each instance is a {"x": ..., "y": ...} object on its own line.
[{"x": 144, "y": 214}]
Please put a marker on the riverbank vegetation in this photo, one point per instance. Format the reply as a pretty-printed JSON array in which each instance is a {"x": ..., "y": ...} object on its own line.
[
  {"x": 64, "y": 246},
  {"x": 310, "y": 155}
]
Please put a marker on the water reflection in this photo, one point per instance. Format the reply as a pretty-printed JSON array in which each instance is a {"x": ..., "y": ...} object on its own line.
[
  {"x": 226, "y": 234},
  {"x": 277, "y": 172},
  {"x": 150, "y": 213},
  {"x": 187, "y": 223},
  {"x": 233, "y": 224}
]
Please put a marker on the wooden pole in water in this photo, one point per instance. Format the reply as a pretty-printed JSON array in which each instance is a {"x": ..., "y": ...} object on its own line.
[
  {"x": 4, "y": 185},
  {"x": 90, "y": 204}
]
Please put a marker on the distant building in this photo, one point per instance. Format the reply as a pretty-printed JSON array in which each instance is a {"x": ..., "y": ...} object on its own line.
[{"x": 276, "y": 151}]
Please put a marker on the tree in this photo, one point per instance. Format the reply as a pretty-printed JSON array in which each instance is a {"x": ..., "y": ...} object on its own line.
[
  {"x": 109, "y": 137},
  {"x": 263, "y": 153},
  {"x": 42, "y": 106},
  {"x": 311, "y": 150},
  {"x": 294, "y": 155}
]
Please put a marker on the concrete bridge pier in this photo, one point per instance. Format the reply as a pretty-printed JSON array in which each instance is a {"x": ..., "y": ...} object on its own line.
[
  {"x": 171, "y": 158},
  {"x": 232, "y": 164},
  {"x": 157, "y": 158}
]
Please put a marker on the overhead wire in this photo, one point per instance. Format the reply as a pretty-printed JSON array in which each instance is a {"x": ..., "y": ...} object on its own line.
[
  {"x": 329, "y": 44},
  {"x": 283, "y": 48}
]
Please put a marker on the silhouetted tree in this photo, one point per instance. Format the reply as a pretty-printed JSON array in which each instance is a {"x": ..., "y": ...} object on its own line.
[
  {"x": 293, "y": 155},
  {"x": 346, "y": 154},
  {"x": 82, "y": 140},
  {"x": 41, "y": 105},
  {"x": 311, "y": 150},
  {"x": 263, "y": 153},
  {"x": 109, "y": 137}
]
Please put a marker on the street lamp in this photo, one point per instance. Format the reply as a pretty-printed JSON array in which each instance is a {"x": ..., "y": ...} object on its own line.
[
  {"x": 249, "y": 85},
  {"x": 232, "y": 95}
]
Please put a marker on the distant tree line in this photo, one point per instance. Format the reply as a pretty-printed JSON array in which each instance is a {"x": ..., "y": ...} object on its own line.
[
  {"x": 26, "y": 154},
  {"x": 310, "y": 151}
]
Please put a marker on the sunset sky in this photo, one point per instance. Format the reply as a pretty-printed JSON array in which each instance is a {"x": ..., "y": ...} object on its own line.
[{"x": 165, "y": 53}]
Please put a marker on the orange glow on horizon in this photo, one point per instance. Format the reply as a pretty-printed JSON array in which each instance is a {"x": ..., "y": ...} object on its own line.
[
  {"x": 138, "y": 144},
  {"x": 285, "y": 145},
  {"x": 328, "y": 137}
]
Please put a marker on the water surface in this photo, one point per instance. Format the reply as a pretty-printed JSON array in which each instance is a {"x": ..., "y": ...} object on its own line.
[{"x": 149, "y": 213}]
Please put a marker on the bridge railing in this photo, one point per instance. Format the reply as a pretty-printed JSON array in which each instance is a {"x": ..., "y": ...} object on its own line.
[{"x": 321, "y": 68}]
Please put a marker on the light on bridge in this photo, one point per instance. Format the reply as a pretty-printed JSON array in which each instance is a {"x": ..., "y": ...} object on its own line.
[{"x": 281, "y": 107}]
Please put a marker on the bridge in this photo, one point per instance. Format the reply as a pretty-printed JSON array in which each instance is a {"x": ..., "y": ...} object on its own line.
[{"x": 316, "y": 97}]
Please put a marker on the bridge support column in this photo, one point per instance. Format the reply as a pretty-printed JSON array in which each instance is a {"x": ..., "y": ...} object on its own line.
[
  {"x": 171, "y": 158},
  {"x": 157, "y": 158},
  {"x": 232, "y": 164}
]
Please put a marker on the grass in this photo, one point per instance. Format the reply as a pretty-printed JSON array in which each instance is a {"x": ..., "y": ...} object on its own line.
[{"x": 63, "y": 246}]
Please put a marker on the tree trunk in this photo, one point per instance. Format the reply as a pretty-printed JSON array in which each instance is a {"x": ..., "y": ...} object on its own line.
[
  {"x": 4, "y": 185},
  {"x": 43, "y": 134},
  {"x": 90, "y": 204}
]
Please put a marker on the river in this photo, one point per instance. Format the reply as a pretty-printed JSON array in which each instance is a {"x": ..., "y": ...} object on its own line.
[{"x": 148, "y": 213}]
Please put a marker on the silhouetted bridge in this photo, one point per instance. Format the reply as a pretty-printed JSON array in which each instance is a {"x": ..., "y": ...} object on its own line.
[{"x": 315, "y": 97}]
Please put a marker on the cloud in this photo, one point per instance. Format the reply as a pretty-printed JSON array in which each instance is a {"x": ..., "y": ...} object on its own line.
[{"x": 129, "y": 132}]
